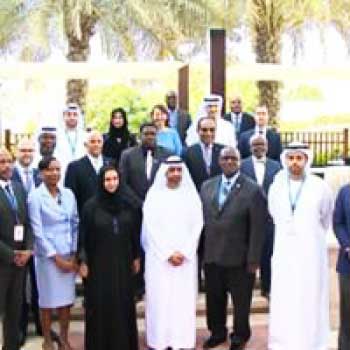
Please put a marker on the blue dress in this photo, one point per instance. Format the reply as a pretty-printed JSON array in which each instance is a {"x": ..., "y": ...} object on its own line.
[
  {"x": 169, "y": 139},
  {"x": 55, "y": 227}
]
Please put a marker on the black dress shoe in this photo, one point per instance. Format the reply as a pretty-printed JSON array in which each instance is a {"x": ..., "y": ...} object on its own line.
[
  {"x": 212, "y": 342},
  {"x": 237, "y": 343}
]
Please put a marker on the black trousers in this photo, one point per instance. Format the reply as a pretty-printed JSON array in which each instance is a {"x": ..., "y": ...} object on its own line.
[
  {"x": 33, "y": 306},
  {"x": 11, "y": 296},
  {"x": 239, "y": 284},
  {"x": 265, "y": 263},
  {"x": 344, "y": 331}
]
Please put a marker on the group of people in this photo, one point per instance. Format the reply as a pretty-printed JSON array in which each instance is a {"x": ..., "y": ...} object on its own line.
[{"x": 214, "y": 197}]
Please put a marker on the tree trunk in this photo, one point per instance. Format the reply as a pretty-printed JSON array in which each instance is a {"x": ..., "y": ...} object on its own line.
[
  {"x": 78, "y": 51},
  {"x": 267, "y": 28}
]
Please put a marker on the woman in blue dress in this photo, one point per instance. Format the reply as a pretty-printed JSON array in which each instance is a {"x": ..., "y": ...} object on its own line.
[
  {"x": 54, "y": 220},
  {"x": 166, "y": 137}
]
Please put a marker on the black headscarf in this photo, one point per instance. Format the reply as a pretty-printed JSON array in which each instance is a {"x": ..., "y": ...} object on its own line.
[
  {"x": 113, "y": 202},
  {"x": 117, "y": 138}
]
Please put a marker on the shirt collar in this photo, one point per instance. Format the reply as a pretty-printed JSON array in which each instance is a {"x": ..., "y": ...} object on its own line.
[
  {"x": 4, "y": 183},
  {"x": 19, "y": 166},
  {"x": 235, "y": 115},
  {"x": 231, "y": 180},
  {"x": 260, "y": 160},
  {"x": 95, "y": 160},
  {"x": 204, "y": 146}
]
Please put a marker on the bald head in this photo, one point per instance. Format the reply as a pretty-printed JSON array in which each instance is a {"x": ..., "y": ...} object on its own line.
[
  {"x": 94, "y": 143},
  {"x": 236, "y": 104},
  {"x": 25, "y": 152},
  {"x": 171, "y": 99}
]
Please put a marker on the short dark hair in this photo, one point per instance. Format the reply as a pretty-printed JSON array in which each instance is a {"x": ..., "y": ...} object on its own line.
[
  {"x": 147, "y": 124},
  {"x": 45, "y": 162},
  {"x": 199, "y": 122}
]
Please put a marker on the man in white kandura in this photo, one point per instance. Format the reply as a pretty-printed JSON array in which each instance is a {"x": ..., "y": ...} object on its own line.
[
  {"x": 211, "y": 107},
  {"x": 301, "y": 206},
  {"x": 172, "y": 224}
]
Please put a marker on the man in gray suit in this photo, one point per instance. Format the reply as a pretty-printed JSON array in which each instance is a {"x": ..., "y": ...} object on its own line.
[
  {"x": 179, "y": 119},
  {"x": 16, "y": 244},
  {"x": 234, "y": 212}
]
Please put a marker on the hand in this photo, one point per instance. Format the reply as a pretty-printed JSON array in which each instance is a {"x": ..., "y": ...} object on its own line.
[
  {"x": 176, "y": 259},
  {"x": 66, "y": 265},
  {"x": 21, "y": 257},
  {"x": 136, "y": 265},
  {"x": 251, "y": 268},
  {"x": 83, "y": 270}
]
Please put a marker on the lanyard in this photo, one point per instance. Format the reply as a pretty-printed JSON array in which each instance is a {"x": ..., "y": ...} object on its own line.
[
  {"x": 293, "y": 202},
  {"x": 13, "y": 203}
]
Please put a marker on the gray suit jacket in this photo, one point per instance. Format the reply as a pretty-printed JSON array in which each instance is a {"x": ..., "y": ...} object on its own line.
[
  {"x": 8, "y": 221},
  {"x": 233, "y": 236},
  {"x": 183, "y": 123}
]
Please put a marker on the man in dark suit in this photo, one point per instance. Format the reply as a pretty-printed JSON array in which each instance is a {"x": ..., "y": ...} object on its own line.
[
  {"x": 25, "y": 174},
  {"x": 179, "y": 119},
  {"x": 138, "y": 167},
  {"x": 262, "y": 170},
  {"x": 82, "y": 174},
  {"x": 234, "y": 212},
  {"x": 261, "y": 128},
  {"x": 139, "y": 164},
  {"x": 241, "y": 121},
  {"x": 341, "y": 226},
  {"x": 16, "y": 245},
  {"x": 202, "y": 161}
]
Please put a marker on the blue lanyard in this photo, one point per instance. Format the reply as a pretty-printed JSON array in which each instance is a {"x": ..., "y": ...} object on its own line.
[
  {"x": 293, "y": 203},
  {"x": 13, "y": 204}
]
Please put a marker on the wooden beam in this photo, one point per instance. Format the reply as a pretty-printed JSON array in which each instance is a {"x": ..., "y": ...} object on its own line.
[
  {"x": 183, "y": 88},
  {"x": 218, "y": 63}
]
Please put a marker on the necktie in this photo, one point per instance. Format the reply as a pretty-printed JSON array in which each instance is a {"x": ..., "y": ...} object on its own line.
[
  {"x": 237, "y": 124},
  {"x": 225, "y": 190},
  {"x": 27, "y": 180},
  {"x": 149, "y": 162},
  {"x": 207, "y": 158},
  {"x": 12, "y": 199}
]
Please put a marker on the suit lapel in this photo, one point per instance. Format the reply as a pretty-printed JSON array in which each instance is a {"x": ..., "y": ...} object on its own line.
[
  {"x": 91, "y": 172},
  {"x": 236, "y": 188},
  {"x": 199, "y": 154},
  {"x": 214, "y": 195},
  {"x": 250, "y": 169}
]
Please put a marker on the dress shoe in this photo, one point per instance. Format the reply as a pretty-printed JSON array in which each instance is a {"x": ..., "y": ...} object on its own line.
[
  {"x": 237, "y": 343},
  {"x": 212, "y": 342},
  {"x": 55, "y": 337}
]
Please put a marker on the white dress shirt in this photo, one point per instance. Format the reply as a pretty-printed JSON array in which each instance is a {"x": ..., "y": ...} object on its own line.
[
  {"x": 259, "y": 169},
  {"x": 97, "y": 162}
]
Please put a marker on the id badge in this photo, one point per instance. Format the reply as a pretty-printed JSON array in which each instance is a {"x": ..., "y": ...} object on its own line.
[{"x": 18, "y": 234}]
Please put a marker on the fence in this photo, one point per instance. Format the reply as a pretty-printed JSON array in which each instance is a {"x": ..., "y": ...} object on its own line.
[{"x": 326, "y": 145}]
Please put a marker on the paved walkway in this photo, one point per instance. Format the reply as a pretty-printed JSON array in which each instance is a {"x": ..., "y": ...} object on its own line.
[{"x": 257, "y": 342}]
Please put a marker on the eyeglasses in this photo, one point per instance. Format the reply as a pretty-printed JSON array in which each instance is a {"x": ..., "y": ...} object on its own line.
[
  {"x": 71, "y": 114},
  {"x": 230, "y": 158},
  {"x": 208, "y": 129},
  {"x": 26, "y": 150}
]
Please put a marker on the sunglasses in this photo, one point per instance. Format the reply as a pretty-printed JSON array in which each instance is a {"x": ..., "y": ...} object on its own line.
[{"x": 208, "y": 129}]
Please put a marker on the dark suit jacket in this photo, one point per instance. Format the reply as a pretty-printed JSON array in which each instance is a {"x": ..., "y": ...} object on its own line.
[
  {"x": 341, "y": 226},
  {"x": 8, "y": 221},
  {"x": 17, "y": 177},
  {"x": 274, "y": 144},
  {"x": 183, "y": 123},
  {"x": 193, "y": 157},
  {"x": 81, "y": 178},
  {"x": 271, "y": 169},
  {"x": 247, "y": 123},
  {"x": 232, "y": 234},
  {"x": 133, "y": 170}
]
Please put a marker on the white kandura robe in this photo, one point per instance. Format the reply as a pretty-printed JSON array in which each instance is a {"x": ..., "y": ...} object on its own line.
[
  {"x": 224, "y": 134},
  {"x": 299, "y": 304},
  {"x": 172, "y": 222}
]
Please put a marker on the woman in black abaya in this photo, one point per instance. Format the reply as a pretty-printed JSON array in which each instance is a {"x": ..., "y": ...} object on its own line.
[
  {"x": 118, "y": 137},
  {"x": 109, "y": 254}
]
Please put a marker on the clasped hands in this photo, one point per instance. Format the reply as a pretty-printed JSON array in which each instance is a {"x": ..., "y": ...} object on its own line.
[
  {"x": 21, "y": 257},
  {"x": 176, "y": 259},
  {"x": 66, "y": 264}
]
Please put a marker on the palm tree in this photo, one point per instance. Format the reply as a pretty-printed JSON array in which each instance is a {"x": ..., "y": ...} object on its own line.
[{"x": 268, "y": 21}]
